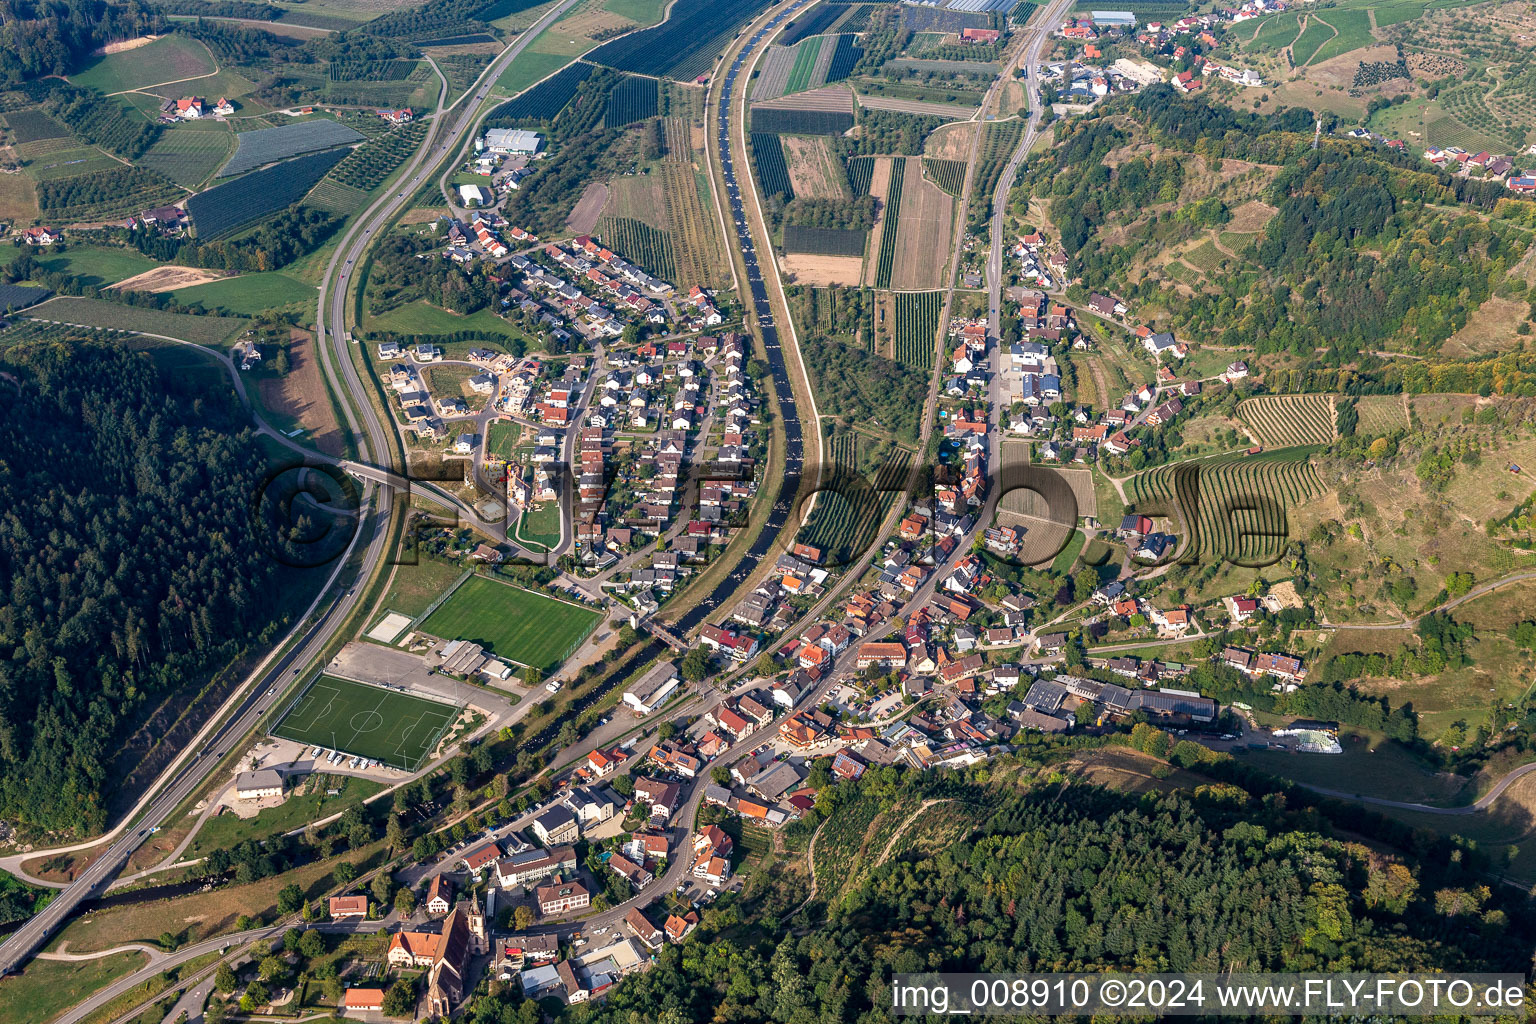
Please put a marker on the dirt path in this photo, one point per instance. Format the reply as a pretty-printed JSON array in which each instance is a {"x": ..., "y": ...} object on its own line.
[
  {"x": 885, "y": 853},
  {"x": 810, "y": 864}
]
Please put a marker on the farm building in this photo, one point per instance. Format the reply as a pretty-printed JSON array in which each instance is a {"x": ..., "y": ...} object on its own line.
[
  {"x": 510, "y": 140},
  {"x": 1114, "y": 19},
  {"x": 473, "y": 194}
]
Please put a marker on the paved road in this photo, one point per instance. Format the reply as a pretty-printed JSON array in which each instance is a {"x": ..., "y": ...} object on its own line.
[
  {"x": 1038, "y": 32},
  {"x": 1481, "y": 804}
]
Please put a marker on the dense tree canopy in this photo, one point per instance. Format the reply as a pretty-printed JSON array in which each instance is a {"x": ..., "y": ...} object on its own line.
[{"x": 127, "y": 562}]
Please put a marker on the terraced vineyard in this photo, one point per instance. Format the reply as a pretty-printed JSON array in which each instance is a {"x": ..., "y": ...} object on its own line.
[
  {"x": 889, "y": 221},
  {"x": 647, "y": 247},
  {"x": 917, "y": 324},
  {"x": 949, "y": 175},
  {"x": 772, "y": 170},
  {"x": 1281, "y": 420},
  {"x": 1242, "y": 501}
]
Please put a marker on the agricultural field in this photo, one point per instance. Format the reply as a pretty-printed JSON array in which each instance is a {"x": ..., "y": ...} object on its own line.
[
  {"x": 823, "y": 241},
  {"x": 773, "y": 73},
  {"x": 998, "y": 142},
  {"x": 1380, "y": 414},
  {"x": 33, "y": 126},
  {"x": 814, "y": 171},
  {"x": 647, "y": 247},
  {"x": 924, "y": 227},
  {"x": 398, "y": 729},
  {"x": 1272, "y": 34},
  {"x": 235, "y": 204},
  {"x": 337, "y": 198},
  {"x": 367, "y": 167},
  {"x": 1277, "y": 421},
  {"x": 633, "y": 99},
  {"x": 189, "y": 158},
  {"x": 247, "y": 294},
  {"x": 849, "y": 510},
  {"x": 270, "y": 145},
  {"x": 949, "y": 175},
  {"x": 513, "y": 623},
  {"x": 95, "y": 266},
  {"x": 772, "y": 170},
  {"x": 890, "y": 221},
  {"x": 545, "y": 100},
  {"x": 18, "y": 296},
  {"x": 168, "y": 59},
  {"x": 917, "y": 327},
  {"x": 213, "y": 331},
  {"x": 685, "y": 45},
  {"x": 861, "y": 171},
  {"x": 1227, "y": 486},
  {"x": 826, "y": 111}
]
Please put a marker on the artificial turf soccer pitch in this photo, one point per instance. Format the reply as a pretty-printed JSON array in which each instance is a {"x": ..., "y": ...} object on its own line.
[
  {"x": 510, "y": 622},
  {"x": 369, "y": 721}
]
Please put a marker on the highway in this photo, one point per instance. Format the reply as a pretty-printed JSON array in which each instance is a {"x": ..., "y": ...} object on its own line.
[{"x": 269, "y": 683}]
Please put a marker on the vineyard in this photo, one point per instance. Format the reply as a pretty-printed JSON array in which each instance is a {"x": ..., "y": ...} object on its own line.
[
  {"x": 772, "y": 170},
  {"x": 543, "y": 101},
  {"x": 844, "y": 57},
  {"x": 370, "y": 70},
  {"x": 849, "y": 510},
  {"x": 1280, "y": 420},
  {"x": 633, "y": 99},
  {"x": 1022, "y": 11},
  {"x": 1242, "y": 501},
  {"x": 861, "y": 172},
  {"x": 272, "y": 144},
  {"x": 332, "y": 195},
  {"x": 647, "y": 247},
  {"x": 949, "y": 175},
  {"x": 889, "y": 221},
  {"x": 684, "y": 46},
  {"x": 1381, "y": 414},
  {"x": 823, "y": 241},
  {"x": 698, "y": 253},
  {"x": 917, "y": 324},
  {"x": 366, "y": 167},
  {"x": 188, "y": 158},
  {"x": 237, "y": 203}
]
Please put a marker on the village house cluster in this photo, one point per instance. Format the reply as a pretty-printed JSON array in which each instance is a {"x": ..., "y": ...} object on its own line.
[{"x": 194, "y": 108}]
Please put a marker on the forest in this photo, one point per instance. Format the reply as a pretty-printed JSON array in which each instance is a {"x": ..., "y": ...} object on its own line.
[
  {"x": 127, "y": 559},
  {"x": 866, "y": 388},
  {"x": 51, "y": 37},
  {"x": 1061, "y": 877},
  {"x": 399, "y": 277}
]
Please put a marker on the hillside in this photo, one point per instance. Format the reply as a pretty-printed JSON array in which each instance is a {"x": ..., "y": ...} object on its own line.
[{"x": 1231, "y": 230}]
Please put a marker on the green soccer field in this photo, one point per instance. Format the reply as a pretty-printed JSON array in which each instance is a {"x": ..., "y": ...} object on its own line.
[
  {"x": 510, "y": 622},
  {"x": 370, "y": 721}
]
